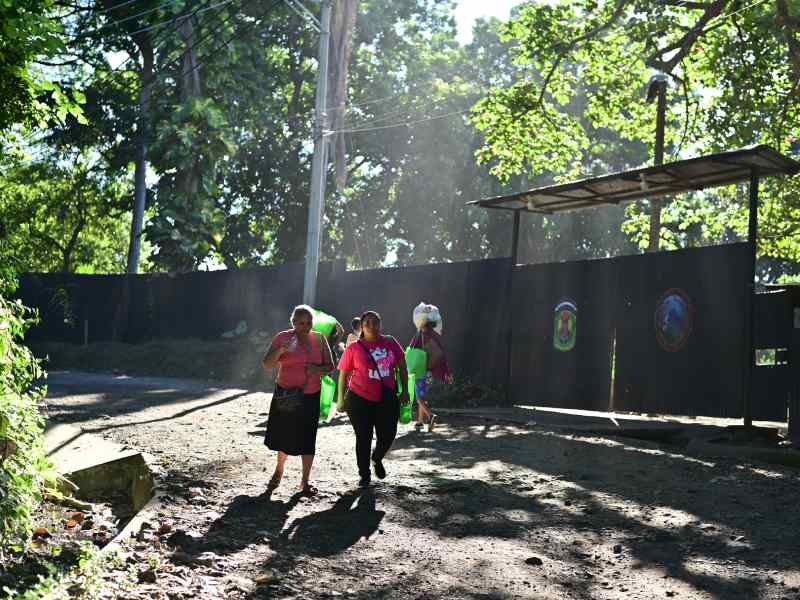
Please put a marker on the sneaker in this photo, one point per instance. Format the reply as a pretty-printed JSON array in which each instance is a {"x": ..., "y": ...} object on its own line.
[
  {"x": 364, "y": 482},
  {"x": 380, "y": 471}
]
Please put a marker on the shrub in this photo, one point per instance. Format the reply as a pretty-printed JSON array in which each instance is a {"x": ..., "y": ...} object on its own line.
[{"x": 22, "y": 456}]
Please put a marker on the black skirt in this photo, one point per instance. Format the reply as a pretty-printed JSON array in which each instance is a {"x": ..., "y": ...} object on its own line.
[{"x": 292, "y": 425}]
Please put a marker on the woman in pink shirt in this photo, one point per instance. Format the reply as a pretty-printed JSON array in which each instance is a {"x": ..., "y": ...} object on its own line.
[
  {"x": 302, "y": 357},
  {"x": 371, "y": 366}
]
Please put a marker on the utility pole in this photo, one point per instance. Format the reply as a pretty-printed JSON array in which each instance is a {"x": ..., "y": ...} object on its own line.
[
  {"x": 657, "y": 88},
  {"x": 316, "y": 207}
]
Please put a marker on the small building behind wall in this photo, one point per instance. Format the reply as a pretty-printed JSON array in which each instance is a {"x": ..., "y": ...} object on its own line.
[{"x": 680, "y": 323}]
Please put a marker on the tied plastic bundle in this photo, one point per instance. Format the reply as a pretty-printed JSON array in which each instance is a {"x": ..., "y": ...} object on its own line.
[{"x": 424, "y": 313}]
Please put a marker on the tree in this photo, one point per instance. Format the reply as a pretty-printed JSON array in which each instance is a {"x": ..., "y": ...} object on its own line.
[
  {"x": 735, "y": 77},
  {"x": 57, "y": 218}
]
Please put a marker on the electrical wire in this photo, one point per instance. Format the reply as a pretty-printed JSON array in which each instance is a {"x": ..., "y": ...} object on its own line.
[
  {"x": 181, "y": 18},
  {"x": 736, "y": 12},
  {"x": 403, "y": 124},
  {"x": 114, "y": 23},
  {"x": 224, "y": 43},
  {"x": 211, "y": 32}
]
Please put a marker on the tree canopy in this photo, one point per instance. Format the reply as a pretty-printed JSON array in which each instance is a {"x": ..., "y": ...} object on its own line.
[
  {"x": 216, "y": 101},
  {"x": 734, "y": 70}
]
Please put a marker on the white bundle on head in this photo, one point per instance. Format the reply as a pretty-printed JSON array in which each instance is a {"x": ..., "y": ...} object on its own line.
[{"x": 425, "y": 313}]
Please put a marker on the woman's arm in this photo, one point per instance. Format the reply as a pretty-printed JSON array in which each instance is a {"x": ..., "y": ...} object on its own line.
[
  {"x": 273, "y": 354},
  {"x": 434, "y": 350},
  {"x": 403, "y": 368},
  {"x": 340, "y": 388},
  {"x": 327, "y": 358}
]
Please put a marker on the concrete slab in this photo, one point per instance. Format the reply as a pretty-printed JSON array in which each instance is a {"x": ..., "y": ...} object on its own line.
[
  {"x": 72, "y": 449},
  {"x": 129, "y": 474}
]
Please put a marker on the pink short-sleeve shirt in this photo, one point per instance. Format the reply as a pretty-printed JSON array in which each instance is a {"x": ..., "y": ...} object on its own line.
[{"x": 292, "y": 365}]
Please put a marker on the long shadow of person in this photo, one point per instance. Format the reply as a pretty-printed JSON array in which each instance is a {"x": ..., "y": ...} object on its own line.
[
  {"x": 246, "y": 520},
  {"x": 332, "y": 531}
]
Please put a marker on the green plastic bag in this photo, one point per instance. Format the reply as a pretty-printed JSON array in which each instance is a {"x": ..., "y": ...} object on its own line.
[
  {"x": 417, "y": 361},
  {"x": 326, "y": 396},
  {"x": 405, "y": 409},
  {"x": 323, "y": 323}
]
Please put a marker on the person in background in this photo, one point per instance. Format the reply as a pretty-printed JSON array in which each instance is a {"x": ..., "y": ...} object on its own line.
[
  {"x": 353, "y": 336},
  {"x": 302, "y": 357},
  {"x": 371, "y": 364},
  {"x": 428, "y": 339},
  {"x": 335, "y": 341}
]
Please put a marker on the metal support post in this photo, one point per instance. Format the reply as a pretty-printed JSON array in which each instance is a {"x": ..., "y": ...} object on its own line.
[
  {"x": 509, "y": 291},
  {"x": 658, "y": 87},
  {"x": 316, "y": 207},
  {"x": 750, "y": 323}
]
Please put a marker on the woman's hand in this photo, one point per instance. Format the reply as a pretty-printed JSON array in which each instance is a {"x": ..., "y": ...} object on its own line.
[
  {"x": 322, "y": 369},
  {"x": 449, "y": 379}
]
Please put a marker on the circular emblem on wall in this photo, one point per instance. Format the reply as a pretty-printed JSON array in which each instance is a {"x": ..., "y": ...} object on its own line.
[
  {"x": 674, "y": 319},
  {"x": 565, "y": 326}
]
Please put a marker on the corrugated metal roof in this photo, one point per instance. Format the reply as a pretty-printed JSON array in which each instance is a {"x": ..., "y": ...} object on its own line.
[{"x": 692, "y": 174}]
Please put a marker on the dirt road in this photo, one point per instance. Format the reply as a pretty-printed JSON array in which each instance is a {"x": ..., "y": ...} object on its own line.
[{"x": 473, "y": 510}]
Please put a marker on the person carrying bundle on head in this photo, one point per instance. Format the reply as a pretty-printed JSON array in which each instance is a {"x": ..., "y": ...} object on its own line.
[{"x": 428, "y": 321}]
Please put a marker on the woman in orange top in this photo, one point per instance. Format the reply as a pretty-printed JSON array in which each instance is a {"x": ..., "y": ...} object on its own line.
[{"x": 302, "y": 357}]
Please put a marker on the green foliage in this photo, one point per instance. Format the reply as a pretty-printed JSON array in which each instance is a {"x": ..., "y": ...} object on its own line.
[
  {"x": 733, "y": 73},
  {"x": 557, "y": 92},
  {"x": 63, "y": 218},
  {"x": 27, "y": 98},
  {"x": 188, "y": 225},
  {"x": 63, "y": 581},
  {"x": 22, "y": 456}
]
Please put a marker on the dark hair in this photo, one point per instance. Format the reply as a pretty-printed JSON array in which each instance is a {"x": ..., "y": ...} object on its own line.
[
  {"x": 370, "y": 313},
  {"x": 356, "y": 322},
  {"x": 365, "y": 315}
]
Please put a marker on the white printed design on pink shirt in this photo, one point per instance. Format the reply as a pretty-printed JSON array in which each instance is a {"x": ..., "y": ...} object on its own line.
[{"x": 384, "y": 359}]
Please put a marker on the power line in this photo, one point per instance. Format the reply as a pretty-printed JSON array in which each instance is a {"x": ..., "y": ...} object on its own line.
[
  {"x": 224, "y": 43},
  {"x": 403, "y": 124},
  {"x": 178, "y": 18},
  {"x": 410, "y": 109},
  {"x": 115, "y": 7},
  {"x": 157, "y": 44},
  {"x": 735, "y": 12},
  {"x": 211, "y": 32},
  {"x": 114, "y": 23}
]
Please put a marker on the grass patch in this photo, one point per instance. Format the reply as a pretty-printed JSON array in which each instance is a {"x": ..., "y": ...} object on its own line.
[{"x": 233, "y": 361}]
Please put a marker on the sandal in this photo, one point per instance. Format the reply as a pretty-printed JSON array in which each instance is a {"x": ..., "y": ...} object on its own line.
[
  {"x": 418, "y": 426},
  {"x": 432, "y": 423},
  {"x": 309, "y": 490}
]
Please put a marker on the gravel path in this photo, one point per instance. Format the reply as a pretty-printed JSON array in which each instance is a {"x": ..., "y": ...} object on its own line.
[{"x": 473, "y": 510}]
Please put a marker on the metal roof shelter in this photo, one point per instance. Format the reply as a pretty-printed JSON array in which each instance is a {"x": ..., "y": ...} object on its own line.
[
  {"x": 690, "y": 175},
  {"x": 673, "y": 178}
]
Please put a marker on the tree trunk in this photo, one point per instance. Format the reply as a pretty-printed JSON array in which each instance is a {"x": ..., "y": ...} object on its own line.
[
  {"x": 343, "y": 22},
  {"x": 66, "y": 253},
  {"x": 140, "y": 186},
  {"x": 190, "y": 88}
]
